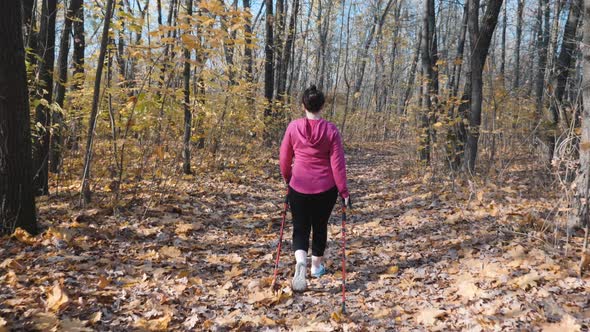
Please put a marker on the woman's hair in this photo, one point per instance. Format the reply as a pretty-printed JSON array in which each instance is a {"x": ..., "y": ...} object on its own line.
[{"x": 313, "y": 99}]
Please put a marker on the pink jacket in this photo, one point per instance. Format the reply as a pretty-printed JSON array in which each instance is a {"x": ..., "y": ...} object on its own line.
[{"x": 319, "y": 157}]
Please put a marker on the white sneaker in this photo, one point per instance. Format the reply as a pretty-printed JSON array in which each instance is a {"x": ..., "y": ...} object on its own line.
[{"x": 299, "y": 284}]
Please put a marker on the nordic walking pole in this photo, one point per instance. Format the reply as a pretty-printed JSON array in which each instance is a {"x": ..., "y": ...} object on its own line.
[
  {"x": 286, "y": 206},
  {"x": 344, "y": 253}
]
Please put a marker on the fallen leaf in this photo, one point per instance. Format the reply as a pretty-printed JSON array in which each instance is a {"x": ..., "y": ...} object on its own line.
[
  {"x": 184, "y": 228},
  {"x": 429, "y": 316},
  {"x": 45, "y": 321},
  {"x": 390, "y": 272},
  {"x": 73, "y": 325},
  {"x": 102, "y": 282},
  {"x": 264, "y": 296},
  {"x": 10, "y": 263},
  {"x": 261, "y": 320},
  {"x": 528, "y": 280},
  {"x": 95, "y": 317},
  {"x": 232, "y": 258},
  {"x": 584, "y": 263},
  {"x": 467, "y": 288},
  {"x": 3, "y": 325},
  {"x": 516, "y": 252},
  {"x": 337, "y": 316},
  {"x": 229, "y": 320},
  {"x": 57, "y": 299},
  {"x": 23, "y": 236},
  {"x": 11, "y": 278},
  {"x": 382, "y": 313},
  {"x": 191, "y": 321},
  {"x": 170, "y": 252},
  {"x": 156, "y": 324},
  {"x": 234, "y": 272},
  {"x": 567, "y": 324}
]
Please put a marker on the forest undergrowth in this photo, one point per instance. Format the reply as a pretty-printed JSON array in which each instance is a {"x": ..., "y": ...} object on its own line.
[{"x": 426, "y": 251}]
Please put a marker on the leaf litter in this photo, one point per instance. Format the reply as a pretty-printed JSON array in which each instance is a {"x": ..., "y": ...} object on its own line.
[{"x": 421, "y": 256}]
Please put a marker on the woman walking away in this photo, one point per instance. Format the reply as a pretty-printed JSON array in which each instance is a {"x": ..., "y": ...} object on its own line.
[{"x": 315, "y": 178}]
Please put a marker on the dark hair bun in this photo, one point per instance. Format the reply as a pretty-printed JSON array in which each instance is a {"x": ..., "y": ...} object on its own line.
[{"x": 313, "y": 99}]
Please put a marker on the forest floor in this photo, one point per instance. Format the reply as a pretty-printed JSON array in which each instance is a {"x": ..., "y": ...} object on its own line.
[{"x": 424, "y": 253}]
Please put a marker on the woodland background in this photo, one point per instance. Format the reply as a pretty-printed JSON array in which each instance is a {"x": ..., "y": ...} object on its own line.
[{"x": 137, "y": 123}]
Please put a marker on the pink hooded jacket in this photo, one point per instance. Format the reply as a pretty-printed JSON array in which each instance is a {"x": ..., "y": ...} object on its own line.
[{"x": 319, "y": 157}]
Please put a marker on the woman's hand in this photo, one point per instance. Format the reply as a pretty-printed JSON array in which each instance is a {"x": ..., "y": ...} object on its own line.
[{"x": 347, "y": 202}]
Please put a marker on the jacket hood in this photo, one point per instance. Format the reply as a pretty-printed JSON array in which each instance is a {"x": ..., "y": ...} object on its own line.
[{"x": 312, "y": 135}]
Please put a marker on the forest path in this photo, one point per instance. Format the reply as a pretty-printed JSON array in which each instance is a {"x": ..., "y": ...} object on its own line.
[{"x": 421, "y": 256}]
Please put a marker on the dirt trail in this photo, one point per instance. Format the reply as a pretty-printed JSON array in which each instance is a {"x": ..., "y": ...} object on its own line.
[{"x": 420, "y": 257}]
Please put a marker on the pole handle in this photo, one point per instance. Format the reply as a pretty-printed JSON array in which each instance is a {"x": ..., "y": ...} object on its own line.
[{"x": 349, "y": 202}]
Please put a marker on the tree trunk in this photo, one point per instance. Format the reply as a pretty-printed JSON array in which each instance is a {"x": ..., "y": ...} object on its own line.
[
  {"x": 503, "y": 55},
  {"x": 64, "y": 48},
  {"x": 17, "y": 200},
  {"x": 78, "y": 76},
  {"x": 46, "y": 53},
  {"x": 458, "y": 63},
  {"x": 86, "y": 194},
  {"x": 338, "y": 61},
  {"x": 387, "y": 89},
  {"x": 480, "y": 38},
  {"x": 519, "y": 10},
  {"x": 543, "y": 42},
  {"x": 364, "y": 51},
  {"x": 186, "y": 142},
  {"x": 296, "y": 84},
  {"x": 346, "y": 79},
  {"x": 403, "y": 109},
  {"x": 456, "y": 132},
  {"x": 29, "y": 9},
  {"x": 282, "y": 78},
  {"x": 580, "y": 213},
  {"x": 430, "y": 80},
  {"x": 534, "y": 46},
  {"x": 279, "y": 30},
  {"x": 564, "y": 64},
  {"x": 324, "y": 29},
  {"x": 553, "y": 39},
  {"x": 249, "y": 46},
  {"x": 167, "y": 58},
  {"x": 269, "y": 72}
]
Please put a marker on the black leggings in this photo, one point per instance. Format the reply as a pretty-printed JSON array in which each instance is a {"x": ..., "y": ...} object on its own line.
[{"x": 311, "y": 211}]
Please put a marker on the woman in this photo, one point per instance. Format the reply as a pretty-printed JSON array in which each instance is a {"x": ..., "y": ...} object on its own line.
[{"x": 315, "y": 178}]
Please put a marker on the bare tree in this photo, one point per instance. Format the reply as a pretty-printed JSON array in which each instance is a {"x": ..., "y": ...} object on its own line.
[
  {"x": 503, "y": 46},
  {"x": 86, "y": 194},
  {"x": 378, "y": 21},
  {"x": 323, "y": 30},
  {"x": 287, "y": 52},
  {"x": 186, "y": 141},
  {"x": 31, "y": 34},
  {"x": 249, "y": 45},
  {"x": 458, "y": 62},
  {"x": 480, "y": 38},
  {"x": 46, "y": 53},
  {"x": 269, "y": 69},
  {"x": 17, "y": 200},
  {"x": 519, "y": 19},
  {"x": 403, "y": 105},
  {"x": 542, "y": 50},
  {"x": 62, "y": 60},
  {"x": 581, "y": 214},
  {"x": 430, "y": 81},
  {"x": 78, "y": 74},
  {"x": 563, "y": 66}
]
